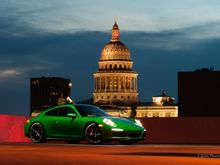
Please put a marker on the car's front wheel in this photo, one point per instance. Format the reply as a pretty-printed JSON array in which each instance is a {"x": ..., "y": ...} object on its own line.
[
  {"x": 93, "y": 134},
  {"x": 37, "y": 133}
]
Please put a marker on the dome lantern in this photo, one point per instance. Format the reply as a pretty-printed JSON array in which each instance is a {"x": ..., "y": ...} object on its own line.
[{"x": 115, "y": 32}]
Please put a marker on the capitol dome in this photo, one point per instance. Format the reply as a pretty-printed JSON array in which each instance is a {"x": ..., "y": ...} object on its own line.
[{"x": 115, "y": 50}]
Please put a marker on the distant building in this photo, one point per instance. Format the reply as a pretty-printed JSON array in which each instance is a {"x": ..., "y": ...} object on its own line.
[
  {"x": 163, "y": 99},
  {"x": 199, "y": 93},
  {"x": 120, "y": 111},
  {"x": 161, "y": 106},
  {"x": 115, "y": 82},
  {"x": 46, "y": 92}
]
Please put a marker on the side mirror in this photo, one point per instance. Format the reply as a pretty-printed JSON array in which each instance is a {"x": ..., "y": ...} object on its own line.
[{"x": 73, "y": 115}]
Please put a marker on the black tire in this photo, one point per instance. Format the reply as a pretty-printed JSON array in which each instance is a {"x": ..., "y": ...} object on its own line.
[
  {"x": 93, "y": 134},
  {"x": 37, "y": 134},
  {"x": 128, "y": 142}
]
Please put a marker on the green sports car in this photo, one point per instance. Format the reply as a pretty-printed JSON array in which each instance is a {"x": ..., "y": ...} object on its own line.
[{"x": 75, "y": 122}]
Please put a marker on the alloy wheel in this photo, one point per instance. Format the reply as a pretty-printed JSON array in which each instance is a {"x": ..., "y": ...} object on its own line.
[
  {"x": 37, "y": 133},
  {"x": 93, "y": 134}
]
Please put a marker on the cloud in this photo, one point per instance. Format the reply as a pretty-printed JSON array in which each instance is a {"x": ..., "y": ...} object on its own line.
[
  {"x": 71, "y": 15},
  {"x": 8, "y": 73},
  {"x": 174, "y": 40},
  {"x": 210, "y": 30},
  {"x": 18, "y": 72}
]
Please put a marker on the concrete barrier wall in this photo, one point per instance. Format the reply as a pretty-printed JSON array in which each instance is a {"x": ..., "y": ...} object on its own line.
[
  {"x": 12, "y": 128},
  {"x": 195, "y": 130},
  {"x": 187, "y": 130}
]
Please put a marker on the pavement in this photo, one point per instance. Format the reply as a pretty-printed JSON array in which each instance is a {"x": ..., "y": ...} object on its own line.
[{"x": 109, "y": 154}]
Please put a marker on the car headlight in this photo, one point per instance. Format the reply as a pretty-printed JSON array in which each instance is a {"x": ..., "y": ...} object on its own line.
[
  {"x": 137, "y": 122},
  {"x": 109, "y": 122}
]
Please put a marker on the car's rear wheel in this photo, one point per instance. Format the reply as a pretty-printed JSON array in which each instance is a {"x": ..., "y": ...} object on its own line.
[
  {"x": 93, "y": 134},
  {"x": 37, "y": 133}
]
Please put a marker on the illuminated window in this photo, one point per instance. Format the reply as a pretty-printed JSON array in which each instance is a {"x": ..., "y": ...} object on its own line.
[{"x": 35, "y": 82}]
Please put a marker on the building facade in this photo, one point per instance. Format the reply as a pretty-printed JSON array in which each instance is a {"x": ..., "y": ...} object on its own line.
[
  {"x": 115, "y": 82},
  {"x": 161, "y": 106},
  {"x": 199, "y": 93},
  {"x": 156, "y": 111},
  {"x": 46, "y": 92}
]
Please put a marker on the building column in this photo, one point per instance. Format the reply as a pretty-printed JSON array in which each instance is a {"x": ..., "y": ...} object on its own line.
[
  {"x": 130, "y": 82},
  {"x": 96, "y": 84},
  {"x": 134, "y": 84},
  {"x": 100, "y": 84},
  {"x": 105, "y": 83},
  {"x": 122, "y": 82},
  {"x": 111, "y": 80},
  {"x": 119, "y": 84},
  {"x": 125, "y": 84}
]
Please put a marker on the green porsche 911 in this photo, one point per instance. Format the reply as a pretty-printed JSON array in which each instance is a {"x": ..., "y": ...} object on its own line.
[{"x": 75, "y": 122}]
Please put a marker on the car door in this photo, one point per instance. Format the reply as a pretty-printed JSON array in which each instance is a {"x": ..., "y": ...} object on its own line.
[
  {"x": 50, "y": 123},
  {"x": 68, "y": 126}
]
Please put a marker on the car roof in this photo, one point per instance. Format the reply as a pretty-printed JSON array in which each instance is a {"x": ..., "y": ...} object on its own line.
[{"x": 64, "y": 105}]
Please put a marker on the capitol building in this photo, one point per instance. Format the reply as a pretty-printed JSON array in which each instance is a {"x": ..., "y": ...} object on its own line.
[{"x": 115, "y": 84}]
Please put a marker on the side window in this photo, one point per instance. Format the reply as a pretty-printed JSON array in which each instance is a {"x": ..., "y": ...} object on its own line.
[
  {"x": 52, "y": 112},
  {"x": 65, "y": 110}
]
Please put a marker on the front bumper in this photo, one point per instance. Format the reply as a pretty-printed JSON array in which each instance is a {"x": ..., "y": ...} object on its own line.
[
  {"x": 120, "y": 134},
  {"x": 126, "y": 135}
]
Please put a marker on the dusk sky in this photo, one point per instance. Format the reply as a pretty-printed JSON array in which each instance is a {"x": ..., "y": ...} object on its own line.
[{"x": 65, "y": 39}]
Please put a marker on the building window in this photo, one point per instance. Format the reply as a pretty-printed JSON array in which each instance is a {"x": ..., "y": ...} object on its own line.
[
  {"x": 156, "y": 115},
  {"x": 115, "y": 97},
  {"x": 35, "y": 82},
  {"x": 168, "y": 115}
]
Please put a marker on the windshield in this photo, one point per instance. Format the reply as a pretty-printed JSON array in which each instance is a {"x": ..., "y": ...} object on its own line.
[{"x": 89, "y": 110}]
